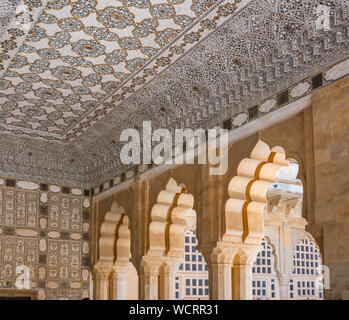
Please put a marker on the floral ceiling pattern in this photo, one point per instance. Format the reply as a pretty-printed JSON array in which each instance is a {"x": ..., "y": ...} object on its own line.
[
  {"x": 87, "y": 69},
  {"x": 78, "y": 53}
]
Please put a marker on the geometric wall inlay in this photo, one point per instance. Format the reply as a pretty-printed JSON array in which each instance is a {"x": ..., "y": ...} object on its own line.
[{"x": 47, "y": 231}]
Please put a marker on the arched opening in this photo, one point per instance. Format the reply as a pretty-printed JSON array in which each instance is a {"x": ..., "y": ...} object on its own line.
[
  {"x": 170, "y": 216},
  {"x": 116, "y": 277},
  {"x": 244, "y": 219}
]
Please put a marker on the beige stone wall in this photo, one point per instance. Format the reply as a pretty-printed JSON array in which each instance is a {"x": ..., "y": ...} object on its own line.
[{"x": 330, "y": 114}]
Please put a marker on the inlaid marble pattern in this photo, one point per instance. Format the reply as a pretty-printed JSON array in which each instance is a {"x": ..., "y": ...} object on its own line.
[{"x": 46, "y": 230}]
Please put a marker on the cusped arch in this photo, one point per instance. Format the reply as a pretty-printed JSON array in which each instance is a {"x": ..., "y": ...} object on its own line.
[
  {"x": 115, "y": 237},
  {"x": 107, "y": 235},
  {"x": 170, "y": 215},
  {"x": 248, "y": 194}
]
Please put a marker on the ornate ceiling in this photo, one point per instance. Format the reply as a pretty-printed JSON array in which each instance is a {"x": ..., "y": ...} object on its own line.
[{"x": 87, "y": 69}]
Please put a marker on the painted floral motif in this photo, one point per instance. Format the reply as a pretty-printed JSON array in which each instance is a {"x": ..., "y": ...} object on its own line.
[
  {"x": 200, "y": 6},
  {"x": 63, "y": 108},
  {"x": 145, "y": 27},
  {"x": 9, "y": 106},
  {"x": 149, "y": 51},
  {"x": 88, "y": 105},
  {"x": 33, "y": 3},
  {"x": 49, "y": 54},
  {"x": 83, "y": 8},
  {"x": 39, "y": 66},
  {"x": 27, "y": 49},
  {"x": 209, "y": 24},
  {"x": 109, "y": 86},
  {"x": 129, "y": 43},
  {"x": 36, "y": 34},
  {"x": 98, "y": 95},
  {"x": 162, "y": 11},
  {"x": 18, "y": 62},
  {"x": 10, "y": 74},
  {"x": 30, "y": 77},
  {"x": 15, "y": 32},
  {"x": 4, "y": 84},
  {"x": 33, "y": 111},
  {"x": 76, "y": 61},
  {"x": 71, "y": 99},
  {"x": 115, "y": 17},
  {"x": 56, "y": 4},
  {"x": 91, "y": 80},
  {"x": 183, "y": 20},
  {"x": 23, "y": 87},
  {"x": 56, "y": 84},
  {"x": 48, "y": 93},
  {"x": 165, "y": 37},
  {"x": 103, "y": 69},
  {"x": 70, "y": 24},
  {"x": 115, "y": 57},
  {"x": 59, "y": 40},
  {"x": 8, "y": 45},
  {"x": 81, "y": 91},
  {"x": 46, "y": 18},
  {"x": 16, "y": 97},
  {"x": 101, "y": 33},
  {"x": 66, "y": 73},
  {"x": 134, "y": 64},
  {"x": 55, "y": 115},
  {"x": 88, "y": 48},
  {"x": 136, "y": 3}
]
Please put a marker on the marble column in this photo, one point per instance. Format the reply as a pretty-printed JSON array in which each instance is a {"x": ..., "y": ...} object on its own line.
[{"x": 101, "y": 275}]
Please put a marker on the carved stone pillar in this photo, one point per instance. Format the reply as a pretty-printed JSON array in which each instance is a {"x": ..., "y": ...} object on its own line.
[
  {"x": 118, "y": 281},
  {"x": 148, "y": 278},
  {"x": 101, "y": 275},
  {"x": 242, "y": 273},
  {"x": 220, "y": 261},
  {"x": 167, "y": 278}
]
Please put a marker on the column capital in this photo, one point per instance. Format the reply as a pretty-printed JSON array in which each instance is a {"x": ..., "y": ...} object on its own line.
[
  {"x": 248, "y": 254},
  {"x": 224, "y": 253},
  {"x": 120, "y": 269},
  {"x": 171, "y": 265},
  {"x": 102, "y": 272},
  {"x": 151, "y": 264}
]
